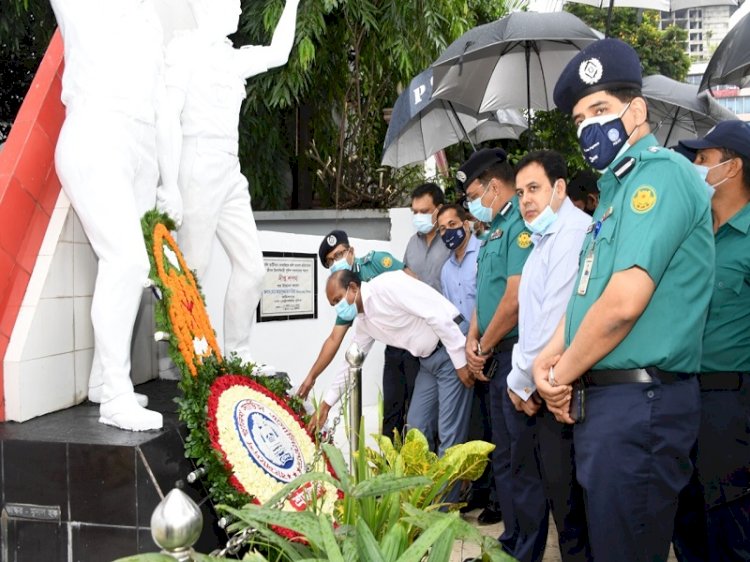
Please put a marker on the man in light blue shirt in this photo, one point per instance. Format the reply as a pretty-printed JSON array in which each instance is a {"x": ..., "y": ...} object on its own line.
[
  {"x": 458, "y": 282},
  {"x": 558, "y": 229},
  {"x": 458, "y": 277}
]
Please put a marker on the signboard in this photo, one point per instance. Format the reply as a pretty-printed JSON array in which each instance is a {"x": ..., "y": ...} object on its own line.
[{"x": 290, "y": 287}]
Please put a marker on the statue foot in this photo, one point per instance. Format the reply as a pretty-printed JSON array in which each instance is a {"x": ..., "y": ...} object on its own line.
[
  {"x": 95, "y": 396},
  {"x": 124, "y": 412}
]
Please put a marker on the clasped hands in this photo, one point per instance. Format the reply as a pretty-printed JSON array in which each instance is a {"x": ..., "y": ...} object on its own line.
[{"x": 557, "y": 396}]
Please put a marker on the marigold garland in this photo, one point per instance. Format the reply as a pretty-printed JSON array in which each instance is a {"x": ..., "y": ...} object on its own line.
[
  {"x": 180, "y": 312},
  {"x": 186, "y": 309}
]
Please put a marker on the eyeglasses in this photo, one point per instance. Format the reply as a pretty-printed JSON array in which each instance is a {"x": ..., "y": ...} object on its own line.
[{"x": 337, "y": 256}]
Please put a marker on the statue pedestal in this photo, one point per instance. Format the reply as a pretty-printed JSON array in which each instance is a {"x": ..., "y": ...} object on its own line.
[{"x": 75, "y": 489}]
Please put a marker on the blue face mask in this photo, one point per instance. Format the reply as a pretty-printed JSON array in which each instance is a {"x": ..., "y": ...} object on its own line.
[
  {"x": 423, "y": 222},
  {"x": 340, "y": 264},
  {"x": 544, "y": 219},
  {"x": 703, "y": 173},
  {"x": 480, "y": 212},
  {"x": 345, "y": 310},
  {"x": 452, "y": 237},
  {"x": 602, "y": 138}
]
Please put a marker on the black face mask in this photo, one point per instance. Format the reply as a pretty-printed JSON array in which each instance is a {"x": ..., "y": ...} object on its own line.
[{"x": 452, "y": 237}]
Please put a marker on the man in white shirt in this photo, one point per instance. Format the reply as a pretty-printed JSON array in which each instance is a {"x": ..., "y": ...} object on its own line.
[
  {"x": 557, "y": 230},
  {"x": 113, "y": 147},
  {"x": 396, "y": 309},
  {"x": 206, "y": 81}
]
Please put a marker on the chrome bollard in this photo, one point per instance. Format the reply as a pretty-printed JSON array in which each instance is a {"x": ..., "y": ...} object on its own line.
[
  {"x": 355, "y": 357},
  {"x": 176, "y": 524}
]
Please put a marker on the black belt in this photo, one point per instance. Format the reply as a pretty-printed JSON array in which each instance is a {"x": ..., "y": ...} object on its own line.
[
  {"x": 437, "y": 348},
  {"x": 720, "y": 381},
  {"x": 606, "y": 377}
]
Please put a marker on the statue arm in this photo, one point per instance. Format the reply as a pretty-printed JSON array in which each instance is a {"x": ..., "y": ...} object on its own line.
[{"x": 254, "y": 59}]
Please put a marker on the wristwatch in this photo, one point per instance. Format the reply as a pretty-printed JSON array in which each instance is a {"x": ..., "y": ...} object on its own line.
[
  {"x": 479, "y": 350},
  {"x": 551, "y": 376}
]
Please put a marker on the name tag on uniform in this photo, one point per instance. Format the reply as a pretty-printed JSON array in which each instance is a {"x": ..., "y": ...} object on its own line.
[{"x": 588, "y": 264}]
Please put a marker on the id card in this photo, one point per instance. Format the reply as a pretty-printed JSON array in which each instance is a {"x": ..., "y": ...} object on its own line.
[{"x": 588, "y": 265}]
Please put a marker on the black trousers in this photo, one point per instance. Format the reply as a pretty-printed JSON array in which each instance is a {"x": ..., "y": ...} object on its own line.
[{"x": 399, "y": 374}]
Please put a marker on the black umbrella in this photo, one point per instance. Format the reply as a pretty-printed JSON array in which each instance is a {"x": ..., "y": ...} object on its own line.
[
  {"x": 513, "y": 62},
  {"x": 730, "y": 63},
  {"x": 677, "y": 111},
  {"x": 421, "y": 125}
]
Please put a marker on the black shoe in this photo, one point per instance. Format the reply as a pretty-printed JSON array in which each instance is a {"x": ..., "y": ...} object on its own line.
[
  {"x": 489, "y": 516},
  {"x": 474, "y": 503}
]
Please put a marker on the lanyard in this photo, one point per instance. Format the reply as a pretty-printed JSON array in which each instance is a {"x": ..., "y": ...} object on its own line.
[{"x": 588, "y": 262}]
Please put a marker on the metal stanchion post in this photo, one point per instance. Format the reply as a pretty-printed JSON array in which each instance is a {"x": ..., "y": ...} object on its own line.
[
  {"x": 176, "y": 524},
  {"x": 355, "y": 357}
]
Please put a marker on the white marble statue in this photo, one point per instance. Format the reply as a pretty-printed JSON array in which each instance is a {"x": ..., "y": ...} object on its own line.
[
  {"x": 113, "y": 146},
  {"x": 206, "y": 83}
]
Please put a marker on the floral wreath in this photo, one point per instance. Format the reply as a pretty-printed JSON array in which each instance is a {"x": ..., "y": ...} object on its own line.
[{"x": 181, "y": 315}]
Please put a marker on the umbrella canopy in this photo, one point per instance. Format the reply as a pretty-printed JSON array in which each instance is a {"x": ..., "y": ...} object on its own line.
[
  {"x": 661, "y": 5},
  {"x": 730, "y": 63},
  {"x": 677, "y": 111},
  {"x": 510, "y": 63},
  {"x": 421, "y": 125}
]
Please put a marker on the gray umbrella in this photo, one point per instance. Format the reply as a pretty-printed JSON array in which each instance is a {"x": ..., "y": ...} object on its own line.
[
  {"x": 730, "y": 63},
  {"x": 513, "y": 62},
  {"x": 677, "y": 111},
  {"x": 421, "y": 125}
]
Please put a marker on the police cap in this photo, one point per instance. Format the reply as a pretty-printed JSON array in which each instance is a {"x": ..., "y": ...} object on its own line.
[
  {"x": 479, "y": 162},
  {"x": 607, "y": 64},
  {"x": 733, "y": 134},
  {"x": 330, "y": 241}
]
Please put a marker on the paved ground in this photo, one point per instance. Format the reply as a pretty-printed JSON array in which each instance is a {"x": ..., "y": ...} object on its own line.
[{"x": 462, "y": 551}]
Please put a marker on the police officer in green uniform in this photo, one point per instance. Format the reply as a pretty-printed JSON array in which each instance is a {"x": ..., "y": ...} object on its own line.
[
  {"x": 713, "y": 517},
  {"x": 632, "y": 334},
  {"x": 489, "y": 183},
  {"x": 336, "y": 254}
]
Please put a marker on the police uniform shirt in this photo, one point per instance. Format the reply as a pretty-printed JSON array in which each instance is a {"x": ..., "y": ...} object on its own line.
[
  {"x": 502, "y": 255},
  {"x": 726, "y": 340},
  {"x": 370, "y": 266},
  {"x": 400, "y": 311},
  {"x": 655, "y": 216}
]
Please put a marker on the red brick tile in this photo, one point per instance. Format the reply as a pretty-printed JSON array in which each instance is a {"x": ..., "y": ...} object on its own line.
[
  {"x": 29, "y": 250},
  {"x": 16, "y": 210},
  {"x": 19, "y": 280},
  {"x": 36, "y": 160}
]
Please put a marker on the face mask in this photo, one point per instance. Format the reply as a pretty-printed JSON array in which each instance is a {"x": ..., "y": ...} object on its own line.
[
  {"x": 544, "y": 219},
  {"x": 345, "y": 310},
  {"x": 423, "y": 222},
  {"x": 480, "y": 212},
  {"x": 703, "y": 173},
  {"x": 452, "y": 237},
  {"x": 602, "y": 138},
  {"x": 340, "y": 264}
]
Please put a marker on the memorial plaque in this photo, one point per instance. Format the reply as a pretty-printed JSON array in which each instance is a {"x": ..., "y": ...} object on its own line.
[{"x": 290, "y": 287}]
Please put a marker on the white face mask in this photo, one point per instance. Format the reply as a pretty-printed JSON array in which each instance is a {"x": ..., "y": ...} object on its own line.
[{"x": 544, "y": 219}]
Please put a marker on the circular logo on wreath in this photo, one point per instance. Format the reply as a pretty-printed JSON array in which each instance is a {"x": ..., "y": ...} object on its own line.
[{"x": 268, "y": 441}]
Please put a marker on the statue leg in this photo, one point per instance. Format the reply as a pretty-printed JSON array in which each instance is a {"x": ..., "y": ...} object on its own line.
[
  {"x": 238, "y": 235},
  {"x": 106, "y": 164}
]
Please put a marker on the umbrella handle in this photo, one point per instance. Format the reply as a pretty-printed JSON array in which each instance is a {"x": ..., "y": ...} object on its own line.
[
  {"x": 609, "y": 17},
  {"x": 461, "y": 125}
]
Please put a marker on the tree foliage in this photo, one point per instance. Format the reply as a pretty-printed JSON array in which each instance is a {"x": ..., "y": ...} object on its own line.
[{"x": 25, "y": 30}]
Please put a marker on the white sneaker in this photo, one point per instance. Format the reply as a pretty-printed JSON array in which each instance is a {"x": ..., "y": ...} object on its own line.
[
  {"x": 124, "y": 412},
  {"x": 95, "y": 396}
]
